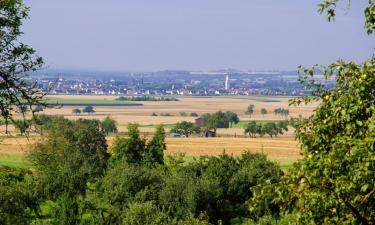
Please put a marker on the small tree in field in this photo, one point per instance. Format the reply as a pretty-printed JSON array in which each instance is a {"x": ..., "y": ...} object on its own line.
[
  {"x": 109, "y": 125},
  {"x": 194, "y": 114},
  {"x": 232, "y": 118},
  {"x": 88, "y": 109},
  {"x": 76, "y": 111},
  {"x": 185, "y": 128},
  {"x": 263, "y": 111},
  {"x": 250, "y": 110}
]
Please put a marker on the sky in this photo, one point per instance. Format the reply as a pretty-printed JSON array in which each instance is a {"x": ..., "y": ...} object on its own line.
[{"x": 151, "y": 35}]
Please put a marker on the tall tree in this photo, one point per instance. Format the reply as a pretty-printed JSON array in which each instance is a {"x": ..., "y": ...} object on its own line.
[
  {"x": 215, "y": 121},
  {"x": 263, "y": 111},
  {"x": 185, "y": 128},
  {"x": 250, "y": 110},
  {"x": 156, "y": 146},
  {"x": 232, "y": 118},
  {"x": 109, "y": 125},
  {"x": 334, "y": 183},
  {"x": 130, "y": 148},
  {"x": 17, "y": 59},
  {"x": 72, "y": 154}
]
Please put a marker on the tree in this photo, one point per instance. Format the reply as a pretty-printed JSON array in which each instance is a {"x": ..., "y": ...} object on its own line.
[
  {"x": 251, "y": 129},
  {"x": 88, "y": 109},
  {"x": 156, "y": 146},
  {"x": 194, "y": 114},
  {"x": 334, "y": 182},
  {"x": 185, "y": 128},
  {"x": 263, "y": 111},
  {"x": 270, "y": 129},
  {"x": 250, "y": 110},
  {"x": 19, "y": 204},
  {"x": 22, "y": 126},
  {"x": 130, "y": 148},
  {"x": 17, "y": 59},
  {"x": 38, "y": 108},
  {"x": 76, "y": 111},
  {"x": 108, "y": 125},
  {"x": 232, "y": 118},
  {"x": 214, "y": 121},
  {"x": 73, "y": 153},
  {"x": 329, "y": 8},
  {"x": 183, "y": 114}
]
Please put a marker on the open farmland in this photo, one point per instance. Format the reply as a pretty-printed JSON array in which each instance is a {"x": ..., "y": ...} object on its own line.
[
  {"x": 283, "y": 149},
  {"x": 141, "y": 114}
]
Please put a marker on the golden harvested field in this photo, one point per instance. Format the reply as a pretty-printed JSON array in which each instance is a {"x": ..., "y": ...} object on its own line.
[
  {"x": 283, "y": 148},
  {"x": 142, "y": 114},
  {"x": 280, "y": 148}
]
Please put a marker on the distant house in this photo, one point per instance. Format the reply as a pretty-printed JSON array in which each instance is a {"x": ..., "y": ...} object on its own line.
[{"x": 199, "y": 121}]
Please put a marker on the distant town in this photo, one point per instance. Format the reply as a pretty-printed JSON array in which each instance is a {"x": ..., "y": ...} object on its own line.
[{"x": 170, "y": 82}]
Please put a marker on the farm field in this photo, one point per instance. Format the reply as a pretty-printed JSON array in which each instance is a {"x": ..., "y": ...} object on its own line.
[
  {"x": 200, "y": 105},
  {"x": 283, "y": 149}
]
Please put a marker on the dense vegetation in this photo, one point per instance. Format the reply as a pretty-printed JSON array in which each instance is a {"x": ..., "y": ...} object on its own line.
[
  {"x": 76, "y": 181},
  {"x": 147, "y": 98},
  {"x": 266, "y": 128}
]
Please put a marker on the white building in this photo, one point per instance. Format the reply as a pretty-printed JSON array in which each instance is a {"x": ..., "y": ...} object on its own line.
[{"x": 227, "y": 82}]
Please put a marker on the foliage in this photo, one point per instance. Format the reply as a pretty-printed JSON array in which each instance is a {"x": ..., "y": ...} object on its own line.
[
  {"x": 125, "y": 183},
  {"x": 72, "y": 154},
  {"x": 270, "y": 128},
  {"x": 183, "y": 114},
  {"x": 76, "y": 111},
  {"x": 282, "y": 112},
  {"x": 147, "y": 98},
  {"x": 17, "y": 59},
  {"x": 334, "y": 181},
  {"x": 108, "y": 125},
  {"x": 18, "y": 200},
  {"x": 155, "y": 147},
  {"x": 214, "y": 121},
  {"x": 22, "y": 126},
  {"x": 165, "y": 114},
  {"x": 185, "y": 128},
  {"x": 130, "y": 148},
  {"x": 263, "y": 111},
  {"x": 232, "y": 118},
  {"x": 329, "y": 8},
  {"x": 250, "y": 110},
  {"x": 88, "y": 109},
  {"x": 194, "y": 114}
]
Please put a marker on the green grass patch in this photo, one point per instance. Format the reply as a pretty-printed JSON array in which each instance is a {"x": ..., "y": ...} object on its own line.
[
  {"x": 285, "y": 163},
  {"x": 14, "y": 161},
  {"x": 243, "y": 123},
  {"x": 81, "y": 102}
]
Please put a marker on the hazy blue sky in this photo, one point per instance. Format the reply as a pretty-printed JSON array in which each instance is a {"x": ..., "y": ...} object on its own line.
[{"x": 144, "y": 35}]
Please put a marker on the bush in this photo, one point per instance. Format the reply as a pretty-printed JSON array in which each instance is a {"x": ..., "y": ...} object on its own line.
[{"x": 194, "y": 114}]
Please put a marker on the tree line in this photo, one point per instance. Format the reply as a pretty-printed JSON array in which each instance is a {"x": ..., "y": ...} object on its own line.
[
  {"x": 272, "y": 129},
  {"x": 147, "y": 98}
]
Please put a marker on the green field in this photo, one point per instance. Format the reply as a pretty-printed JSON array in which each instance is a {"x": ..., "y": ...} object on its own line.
[
  {"x": 80, "y": 102},
  {"x": 14, "y": 160}
]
